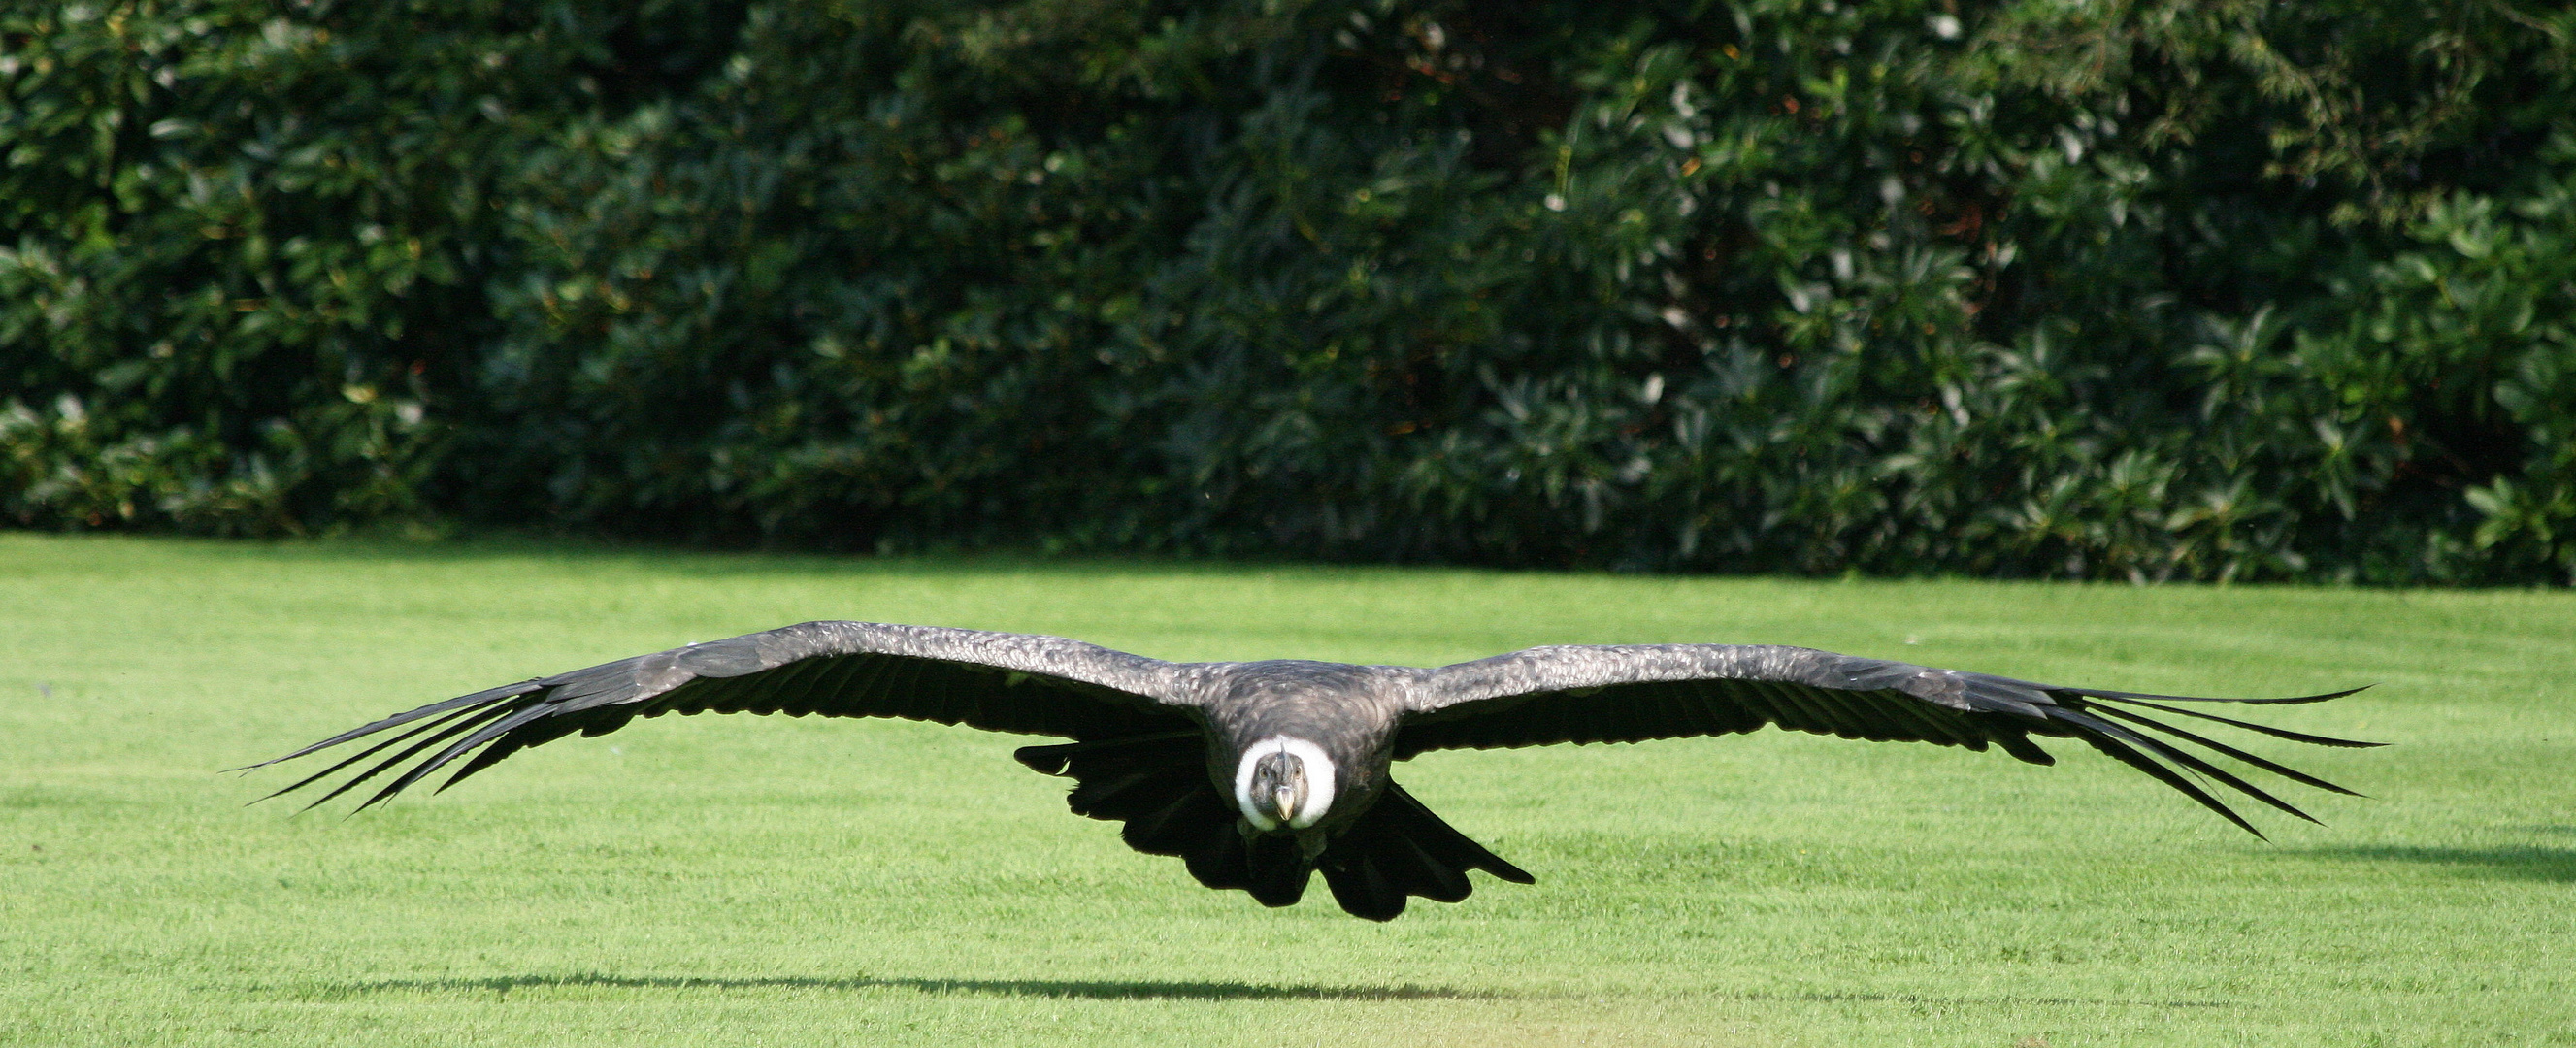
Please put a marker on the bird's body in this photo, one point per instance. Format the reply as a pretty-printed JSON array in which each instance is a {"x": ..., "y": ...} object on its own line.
[
  {"x": 1339, "y": 714},
  {"x": 1260, "y": 774}
]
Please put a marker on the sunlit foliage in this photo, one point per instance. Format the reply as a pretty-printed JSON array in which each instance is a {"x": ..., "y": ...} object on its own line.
[{"x": 2127, "y": 289}]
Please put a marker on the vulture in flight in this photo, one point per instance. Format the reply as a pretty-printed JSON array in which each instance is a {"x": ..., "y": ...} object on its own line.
[{"x": 1259, "y": 774}]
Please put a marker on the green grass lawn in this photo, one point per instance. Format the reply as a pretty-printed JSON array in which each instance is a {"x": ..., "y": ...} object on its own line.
[{"x": 766, "y": 881}]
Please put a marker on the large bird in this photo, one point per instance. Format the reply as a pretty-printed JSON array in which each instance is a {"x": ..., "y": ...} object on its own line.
[{"x": 1259, "y": 774}]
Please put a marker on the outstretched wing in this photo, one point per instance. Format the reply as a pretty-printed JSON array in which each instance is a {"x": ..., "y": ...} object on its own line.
[
  {"x": 1630, "y": 693},
  {"x": 1010, "y": 682}
]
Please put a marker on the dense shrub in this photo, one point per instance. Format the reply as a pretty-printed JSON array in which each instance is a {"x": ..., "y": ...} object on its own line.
[{"x": 2144, "y": 289}]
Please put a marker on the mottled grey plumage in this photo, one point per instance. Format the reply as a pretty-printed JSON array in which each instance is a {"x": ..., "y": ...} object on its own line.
[{"x": 1169, "y": 748}]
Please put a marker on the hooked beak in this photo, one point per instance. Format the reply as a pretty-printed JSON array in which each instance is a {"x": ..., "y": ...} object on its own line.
[{"x": 1281, "y": 805}]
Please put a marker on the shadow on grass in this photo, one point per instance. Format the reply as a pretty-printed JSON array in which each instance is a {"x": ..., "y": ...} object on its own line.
[
  {"x": 1100, "y": 989},
  {"x": 1129, "y": 990},
  {"x": 2017, "y": 1002},
  {"x": 2520, "y": 862}
]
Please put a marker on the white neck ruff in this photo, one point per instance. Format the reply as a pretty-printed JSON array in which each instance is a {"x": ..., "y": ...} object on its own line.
[{"x": 1319, "y": 782}]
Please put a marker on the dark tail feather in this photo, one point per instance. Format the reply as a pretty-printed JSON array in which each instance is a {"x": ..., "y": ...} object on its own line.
[
  {"x": 1158, "y": 785},
  {"x": 1398, "y": 848},
  {"x": 1272, "y": 868}
]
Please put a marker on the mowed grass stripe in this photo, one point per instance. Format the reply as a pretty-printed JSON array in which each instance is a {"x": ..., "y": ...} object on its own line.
[{"x": 771, "y": 880}]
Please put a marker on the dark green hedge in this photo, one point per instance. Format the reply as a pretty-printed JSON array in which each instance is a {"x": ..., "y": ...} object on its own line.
[{"x": 2143, "y": 289}]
